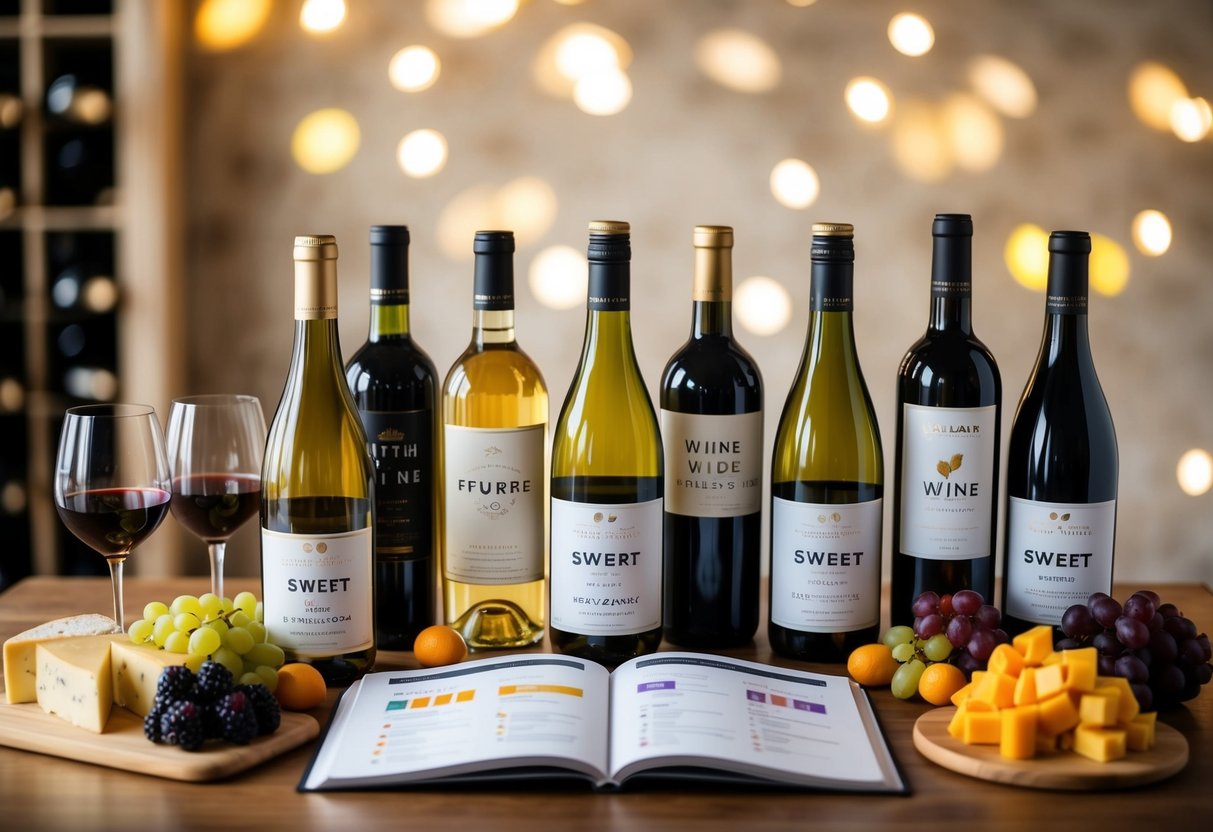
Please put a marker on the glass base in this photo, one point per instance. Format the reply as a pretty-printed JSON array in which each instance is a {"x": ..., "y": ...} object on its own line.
[{"x": 494, "y": 625}]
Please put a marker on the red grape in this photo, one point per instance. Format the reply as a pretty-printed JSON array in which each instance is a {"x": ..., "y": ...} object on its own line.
[
  {"x": 945, "y": 606},
  {"x": 1205, "y": 647},
  {"x": 1191, "y": 653},
  {"x": 1076, "y": 622},
  {"x": 1144, "y": 696},
  {"x": 988, "y": 617},
  {"x": 1067, "y": 644},
  {"x": 959, "y": 630},
  {"x": 930, "y": 625},
  {"x": 925, "y": 604},
  {"x": 1151, "y": 594},
  {"x": 1107, "y": 644},
  {"x": 1140, "y": 607},
  {"x": 1095, "y": 595},
  {"x": 1133, "y": 669},
  {"x": 1168, "y": 611},
  {"x": 982, "y": 644},
  {"x": 967, "y": 602},
  {"x": 1163, "y": 646},
  {"x": 1107, "y": 666},
  {"x": 1106, "y": 610},
  {"x": 1170, "y": 681},
  {"x": 1180, "y": 627},
  {"x": 1132, "y": 632},
  {"x": 1000, "y": 636}
]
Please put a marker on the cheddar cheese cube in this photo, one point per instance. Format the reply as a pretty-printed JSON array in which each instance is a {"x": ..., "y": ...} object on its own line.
[
  {"x": 983, "y": 728},
  {"x": 961, "y": 695},
  {"x": 998, "y": 689},
  {"x": 1050, "y": 681},
  {"x": 1005, "y": 659},
  {"x": 1148, "y": 721},
  {"x": 1034, "y": 645},
  {"x": 956, "y": 726},
  {"x": 1128, "y": 700},
  {"x": 1101, "y": 744},
  {"x": 1018, "y": 739},
  {"x": 1139, "y": 736},
  {"x": 1081, "y": 668},
  {"x": 1025, "y": 687},
  {"x": 1046, "y": 743},
  {"x": 1056, "y": 714},
  {"x": 1052, "y": 658},
  {"x": 1100, "y": 708}
]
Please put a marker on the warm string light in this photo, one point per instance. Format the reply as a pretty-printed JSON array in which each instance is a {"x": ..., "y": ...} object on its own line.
[
  {"x": 1195, "y": 472},
  {"x": 1154, "y": 89},
  {"x": 762, "y": 305},
  {"x": 868, "y": 99},
  {"x": 220, "y": 25},
  {"x": 603, "y": 93},
  {"x": 586, "y": 63},
  {"x": 558, "y": 277},
  {"x": 422, "y": 153},
  {"x": 322, "y": 16},
  {"x": 325, "y": 141},
  {"x": 1152, "y": 232},
  {"x": 794, "y": 184},
  {"x": 414, "y": 68},
  {"x": 527, "y": 205},
  {"x": 469, "y": 18},
  {"x": 1109, "y": 266},
  {"x": 1027, "y": 256},
  {"x": 738, "y": 60},
  {"x": 1191, "y": 119},
  {"x": 911, "y": 34},
  {"x": 1003, "y": 85}
]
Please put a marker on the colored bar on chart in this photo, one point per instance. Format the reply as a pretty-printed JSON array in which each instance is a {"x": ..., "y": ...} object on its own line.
[
  {"x": 647, "y": 686},
  {"x": 564, "y": 690}
]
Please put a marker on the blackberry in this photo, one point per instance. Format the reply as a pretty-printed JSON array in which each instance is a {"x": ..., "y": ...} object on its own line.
[
  {"x": 236, "y": 717},
  {"x": 176, "y": 682},
  {"x": 181, "y": 724},
  {"x": 214, "y": 681},
  {"x": 151, "y": 722},
  {"x": 265, "y": 708}
]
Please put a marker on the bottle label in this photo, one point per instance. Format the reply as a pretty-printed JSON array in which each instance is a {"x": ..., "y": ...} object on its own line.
[
  {"x": 606, "y": 567},
  {"x": 1057, "y": 555},
  {"x": 947, "y": 481},
  {"x": 317, "y": 591},
  {"x": 825, "y": 565},
  {"x": 713, "y": 464},
  {"x": 494, "y": 489},
  {"x": 401, "y": 445}
]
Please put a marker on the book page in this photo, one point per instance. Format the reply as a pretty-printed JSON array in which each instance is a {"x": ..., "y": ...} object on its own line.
[
  {"x": 680, "y": 709},
  {"x": 506, "y": 711}
]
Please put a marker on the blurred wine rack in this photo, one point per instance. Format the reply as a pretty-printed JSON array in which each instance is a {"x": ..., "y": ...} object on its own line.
[{"x": 90, "y": 246}]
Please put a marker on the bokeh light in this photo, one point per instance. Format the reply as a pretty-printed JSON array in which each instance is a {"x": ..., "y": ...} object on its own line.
[
  {"x": 801, "y": 3},
  {"x": 1003, "y": 85},
  {"x": 13, "y": 497},
  {"x": 12, "y": 395},
  {"x": 868, "y": 99},
  {"x": 762, "y": 305},
  {"x": 469, "y": 212},
  {"x": 603, "y": 93},
  {"x": 558, "y": 277},
  {"x": 469, "y": 18},
  {"x": 911, "y": 34},
  {"x": 1027, "y": 256},
  {"x": 575, "y": 52},
  {"x": 974, "y": 131},
  {"x": 527, "y": 206},
  {"x": 414, "y": 68},
  {"x": 1152, "y": 232},
  {"x": 1153, "y": 91},
  {"x": 321, "y": 16},
  {"x": 422, "y": 153},
  {"x": 794, "y": 184},
  {"x": 922, "y": 146},
  {"x": 1191, "y": 119},
  {"x": 738, "y": 60},
  {"x": 225, "y": 24},
  {"x": 325, "y": 140},
  {"x": 1109, "y": 266},
  {"x": 1195, "y": 472}
]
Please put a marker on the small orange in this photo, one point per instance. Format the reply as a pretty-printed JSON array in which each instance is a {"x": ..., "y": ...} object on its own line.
[
  {"x": 939, "y": 681},
  {"x": 438, "y": 645},
  {"x": 872, "y": 664},
  {"x": 300, "y": 687}
]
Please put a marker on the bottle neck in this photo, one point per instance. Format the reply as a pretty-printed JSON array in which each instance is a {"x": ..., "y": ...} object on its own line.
[
  {"x": 1066, "y": 335},
  {"x": 831, "y": 330},
  {"x": 388, "y": 321},
  {"x": 389, "y": 290},
  {"x": 493, "y": 299},
  {"x": 712, "y": 292},
  {"x": 608, "y": 330},
  {"x": 952, "y": 284},
  {"x": 712, "y": 319}
]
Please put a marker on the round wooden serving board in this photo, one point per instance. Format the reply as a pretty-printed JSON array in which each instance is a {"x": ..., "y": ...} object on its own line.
[{"x": 1064, "y": 770}]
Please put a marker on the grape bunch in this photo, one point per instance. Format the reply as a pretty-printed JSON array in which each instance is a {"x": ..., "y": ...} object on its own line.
[
  {"x": 228, "y": 631},
  {"x": 190, "y": 709},
  {"x": 1144, "y": 640}
]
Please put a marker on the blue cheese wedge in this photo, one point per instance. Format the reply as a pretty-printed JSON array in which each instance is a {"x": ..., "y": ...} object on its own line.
[
  {"x": 19, "y": 667},
  {"x": 136, "y": 671},
  {"x": 74, "y": 680}
]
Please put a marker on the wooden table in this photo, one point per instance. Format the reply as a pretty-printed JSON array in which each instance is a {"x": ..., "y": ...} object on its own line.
[{"x": 39, "y": 792}]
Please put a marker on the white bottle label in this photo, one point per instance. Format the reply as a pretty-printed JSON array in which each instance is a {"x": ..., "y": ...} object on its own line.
[
  {"x": 1057, "y": 555},
  {"x": 947, "y": 481},
  {"x": 317, "y": 590},
  {"x": 713, "y": 464},
  {"x": 606, "y": 567},
  {"x": 494, "y": 491},
  {"x": 825, "y": 565}
]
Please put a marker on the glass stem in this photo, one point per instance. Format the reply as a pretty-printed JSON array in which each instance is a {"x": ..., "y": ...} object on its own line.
[
  {"x": 115, "y": 565},
  {"x": 216, "y": 552}
]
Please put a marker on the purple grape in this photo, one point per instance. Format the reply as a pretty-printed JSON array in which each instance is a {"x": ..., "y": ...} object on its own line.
[
  {"x": 929, "y": 625},
  {"x": 1107, "y": 644},
  {"x": 1001, "y": 636},
  {"x": 1140, "y": 607},
  {"x": 1076, "y": 622},
  {"x": 981, "y": 645},
  {"x": 925, "y": 604},
  {"x": 988, "y": 617},
  {"x": 1107, "y": 666},
  {"x": 967, "y": 602},
  {"x": 1094, "y": 596},
  {"x": 1133, "y": 669},
  {"x": 1132, "y": 632},
  {"x": 1145, "y": 697},
  {"x": 959, "y": 630},
  {"x": 1202, "y": 673},
  {"x": 1105, "y": 610},
  {"x": 1206, "y": 649},
  {"x": 1191, "y": 653},
  {"x": 1163, "y": 646},
  {"x": 1067, "y": 644},
  {"x": 1156, "y": 622},
  {"x": 1168, "y": 611},
  {"x": 1144, "y": 654},
  {"x": 1169, "y": 681},
  {"x": 967, "y": 663},
  {"x": 1180, "y": 627},
  {"x": 1151, "y": 594}
]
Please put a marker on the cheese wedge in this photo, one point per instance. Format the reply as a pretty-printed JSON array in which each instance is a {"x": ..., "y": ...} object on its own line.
[
  {"x": 73, "y": 679},
  {"x": 19, "y": 651},
  {"x": 135, "y": 670}
]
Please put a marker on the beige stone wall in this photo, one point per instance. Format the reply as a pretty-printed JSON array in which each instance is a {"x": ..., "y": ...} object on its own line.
[{"x": 688, "y": 151}]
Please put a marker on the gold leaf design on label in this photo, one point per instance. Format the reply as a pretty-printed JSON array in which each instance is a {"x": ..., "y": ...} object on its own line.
[
  {"x": 1066, "y": 516},
  {"x": 943, "y": 468},
  {"x": 1052, "y": 515},
  {"x": 954, "y": 464}
]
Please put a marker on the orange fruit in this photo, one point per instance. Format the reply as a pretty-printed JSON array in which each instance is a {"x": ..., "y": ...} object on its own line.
[
  {"x": 872, "y": 664},
  {"x": 439, "y": 644},
  {"x": 300, "y": 687},
  {"x": 939, "y": 681}
]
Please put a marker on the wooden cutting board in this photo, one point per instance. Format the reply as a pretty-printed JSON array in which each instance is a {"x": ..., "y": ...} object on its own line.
[
  {"x": 1063, "y": 770},
  {"x": 123, "y": 745}
]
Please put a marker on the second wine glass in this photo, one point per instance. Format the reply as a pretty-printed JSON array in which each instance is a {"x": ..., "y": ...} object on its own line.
[{"x": 215, "y": 447}]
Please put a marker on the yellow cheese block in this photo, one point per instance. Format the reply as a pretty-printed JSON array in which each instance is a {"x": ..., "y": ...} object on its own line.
[
  {"x": 1025, "y": 687},
  {"x": 1018, "y": 739},
  {"x": 1143, "y": 724},
  {"x": 19, "y": 651},
  {"x": 1034, "y": 645},
  {"x": 1050, "y": 681},
  {"x": 1101, "y": 707},
  {"x": 73, "y": 679},
  {"x": 982, "y": 728},
  {"x": 1101, "y": 744},
  {"x": 1056, "y": 714},
  {"x": 1128, "y": 700},
  {"x": 136, "y": 670},
  {"x": 1005, "y": 659},
  {"x": 997, "y": 689},
  {"x": 1139, "y": 736},
  {"x": 1081, "y": 668}
]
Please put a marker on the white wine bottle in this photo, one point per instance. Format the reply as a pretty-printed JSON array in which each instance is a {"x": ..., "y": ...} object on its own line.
[
  {"x": 495, "y": 426},
  {"x": 827, "y": 479},
  {"x": 317, "y": 492},
  {"x": 607, "y": 481}
]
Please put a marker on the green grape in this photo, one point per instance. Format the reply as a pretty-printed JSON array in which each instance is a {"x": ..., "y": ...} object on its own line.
[
  {"x": 218, "y": 625},
  {"x": 204, "y": 642},
  {"x": 162, "y": 628},
  {"x": 228, "y": 606},
  {"x": 154, "y": 610},
  {"x": 141, "y": 631},
  {"x": 239, "y": 619},
  {"x": 185, "y": 603},
  {"x": 240, "y": 640},
  {"x": 249, "y": 679},
  {"x": 894, "y": 636},
  {"x": 234, "y": 663},
  {"x": 257, "y": 629},
  {"x": 212, "y": 605},
  {"x": 246, "y": 602},
  {"x": 269, "y": 677},
  {"x": 177, "y": 642},
  {"x": 260, "y": 616},
  {"x": 186, "y": 622},
  {"x": 905, "y": 680},
  {"x": 267, "y": 654},
  {"x": 937, "y": 648},
  {"x": 903, "y": 652}
]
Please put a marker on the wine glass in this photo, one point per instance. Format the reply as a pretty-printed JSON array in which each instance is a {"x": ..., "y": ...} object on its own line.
[
  {"x": 112, "y": 482},
  {"x": 215, "y": 446}
]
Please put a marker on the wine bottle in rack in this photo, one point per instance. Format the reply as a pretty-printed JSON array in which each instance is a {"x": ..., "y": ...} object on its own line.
[
  {"x": 949, "y": 403},
  {"x": 1062, "y": 462},
  {"x": 495, "y": 425},
  {"x": 827, "y": 479},
  {"x": 79, "y": 136},
  {"x": 607, "y": 490},
  {"x": 711, "y": 429},
  {"x": 317, "y": 539},
  {"x": 394, "y": 385}
]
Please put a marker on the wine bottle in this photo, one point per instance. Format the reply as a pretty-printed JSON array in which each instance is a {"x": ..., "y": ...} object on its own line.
[
  {"x": 394, "y": 386},
  {"x": 1062, "y": 461},
  {"x": 711, "y": 428},
  {"x": 607, "y": 479},
  {"x": 495, "y": 424},
  {"x": 318, "y": 488},
  {"x": 949, "y": 409},
  {"x": 827, "y": 479}
]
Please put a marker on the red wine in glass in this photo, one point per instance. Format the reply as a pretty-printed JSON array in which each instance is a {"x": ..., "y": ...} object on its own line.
[
  {"x": 213, "y": 506},
  {"x": 113, "y": 521}
]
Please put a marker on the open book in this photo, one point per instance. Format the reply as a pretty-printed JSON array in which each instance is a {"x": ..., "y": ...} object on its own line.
[{"x": 683, "y": 715}]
